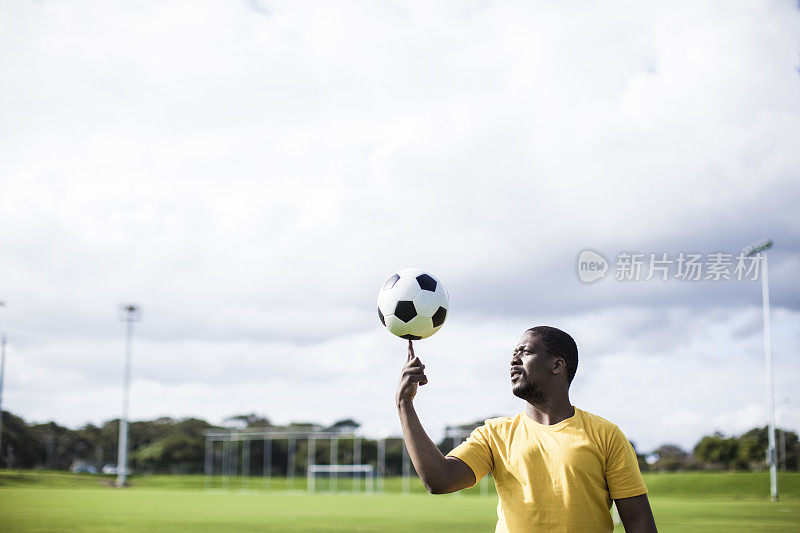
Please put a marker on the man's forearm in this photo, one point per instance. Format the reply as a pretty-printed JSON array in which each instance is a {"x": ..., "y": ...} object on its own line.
[
  {"x": 429, "y": 462},
  {"x": 636, "y": 515}
]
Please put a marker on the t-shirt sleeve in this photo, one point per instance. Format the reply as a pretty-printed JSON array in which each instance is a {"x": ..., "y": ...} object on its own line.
[
  {"x": 622, "y": 468},
  {"x": 476, "y": 452}
]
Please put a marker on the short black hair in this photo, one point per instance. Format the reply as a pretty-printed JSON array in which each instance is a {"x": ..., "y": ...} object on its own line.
[{"x": 559, "y": 344}]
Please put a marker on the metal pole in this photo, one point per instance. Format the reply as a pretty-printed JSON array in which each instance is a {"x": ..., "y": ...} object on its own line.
[
  {"x": 773, "y": 464},
  {"x": 226, "y": 447},
  {"x": 267, "y": 463},
  {"x": 122, "y": 453},
  {"x": 759, "y": 249},
  {"x": 311, "y": 459},
  {"x": 233, "y": 461},
  {"x": 356, "y": 461},
  {"x": 290, "y": 462},
  {"x": 381, "y": 463},
  {"x": 334, "y": 460},
  {"x": 209, "y": 466},
  {"x": 246, "y": 464}
]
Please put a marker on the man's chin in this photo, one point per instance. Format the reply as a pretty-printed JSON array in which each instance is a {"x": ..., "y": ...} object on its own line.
[
  {"x": 527, "y": 392},
  {"x": 521, "y": 390}
]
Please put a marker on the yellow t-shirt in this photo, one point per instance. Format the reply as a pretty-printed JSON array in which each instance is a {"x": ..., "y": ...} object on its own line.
[{"x": 554, "y": 478}]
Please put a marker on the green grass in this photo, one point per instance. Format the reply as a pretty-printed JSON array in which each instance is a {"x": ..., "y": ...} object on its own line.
[
  {"x": 58, "y": 501},
  {"x": 707, "y": 515},
  {"x": 728, "y": 485},
  {"x": 61, "y": 479}
]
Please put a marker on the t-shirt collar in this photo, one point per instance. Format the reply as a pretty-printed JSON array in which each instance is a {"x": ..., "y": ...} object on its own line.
[{"x": 571, "y": 421}]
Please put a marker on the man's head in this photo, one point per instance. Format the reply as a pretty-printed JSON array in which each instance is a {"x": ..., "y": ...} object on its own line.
[{"x": 543, "y": 363}]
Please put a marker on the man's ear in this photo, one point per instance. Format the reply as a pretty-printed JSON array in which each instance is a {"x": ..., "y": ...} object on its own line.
[{"x": 559, "y": 366}]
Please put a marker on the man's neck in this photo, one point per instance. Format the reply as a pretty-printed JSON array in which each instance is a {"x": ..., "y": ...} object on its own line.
[{"x": 550, "y": 412}]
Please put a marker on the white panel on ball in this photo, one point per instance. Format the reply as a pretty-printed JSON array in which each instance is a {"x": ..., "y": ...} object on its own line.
[
  {"x": 386, "y": 302},
  {"x": 410, "y": 272},
  {"x": 406, "y": 288},
  {"x": 427, "y": 302}
]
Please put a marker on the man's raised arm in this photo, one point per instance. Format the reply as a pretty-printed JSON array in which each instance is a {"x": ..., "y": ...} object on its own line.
[{"x": 439, "y": 474}]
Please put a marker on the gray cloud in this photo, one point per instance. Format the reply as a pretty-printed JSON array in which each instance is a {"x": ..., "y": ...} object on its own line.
[{"x": 250, "y": 178}]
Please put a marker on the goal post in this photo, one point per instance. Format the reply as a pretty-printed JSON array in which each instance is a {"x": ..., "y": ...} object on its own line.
[
  {"x": 231, "y": 458},
  {"x": 366, "y": 470}
]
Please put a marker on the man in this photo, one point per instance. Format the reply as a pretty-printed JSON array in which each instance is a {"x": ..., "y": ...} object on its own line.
[{"x": 556, "y": 467}]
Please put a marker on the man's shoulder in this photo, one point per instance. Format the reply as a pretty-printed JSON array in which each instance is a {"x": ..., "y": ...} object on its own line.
[
  {"x": 596, "y": 420},
  {"x": 597, "y": 425},
  {"x": 499, "y": 420},
  {"x": 501, "y": 424}
]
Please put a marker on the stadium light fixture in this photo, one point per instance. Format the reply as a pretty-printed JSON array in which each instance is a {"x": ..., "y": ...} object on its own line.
[
  {"x": 760, "y": 248},
  {"x": 756, "y": 247},
  {"x": 129, "y": 313}
]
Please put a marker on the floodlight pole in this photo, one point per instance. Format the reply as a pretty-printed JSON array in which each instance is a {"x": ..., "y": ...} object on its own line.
[
  {"x": 760, "y": 248},
  {"x": 130, "y": 314}
]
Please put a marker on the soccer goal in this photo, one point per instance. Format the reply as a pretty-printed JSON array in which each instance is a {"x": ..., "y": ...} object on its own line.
[{"x": 333, "y": 471}]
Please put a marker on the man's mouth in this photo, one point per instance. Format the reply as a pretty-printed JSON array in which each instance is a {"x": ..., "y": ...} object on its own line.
[{"x": 515, "y": 372}]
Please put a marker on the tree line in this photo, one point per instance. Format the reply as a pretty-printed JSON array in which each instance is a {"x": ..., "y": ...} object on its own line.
[
  {"x": 747, "y": 451},
  {"x": 167, "y": 445}
]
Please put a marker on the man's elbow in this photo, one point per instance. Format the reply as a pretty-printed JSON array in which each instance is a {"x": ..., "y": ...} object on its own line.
[
  {"x": 454, "y": 476},
  {"x": 437, "y": 488}
]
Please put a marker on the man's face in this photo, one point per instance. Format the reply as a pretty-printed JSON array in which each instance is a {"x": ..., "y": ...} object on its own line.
[{"x": 530, "y": 368}]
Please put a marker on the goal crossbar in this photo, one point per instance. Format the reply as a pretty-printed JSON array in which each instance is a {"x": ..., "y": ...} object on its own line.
[{"x": 367, "y": 470}]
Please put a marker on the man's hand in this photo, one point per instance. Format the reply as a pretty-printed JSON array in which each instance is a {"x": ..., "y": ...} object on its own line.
[{"x": 413, "y": 375}]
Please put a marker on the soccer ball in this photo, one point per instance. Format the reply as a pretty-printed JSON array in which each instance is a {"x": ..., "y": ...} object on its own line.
[{"x": 412, "y": 304}]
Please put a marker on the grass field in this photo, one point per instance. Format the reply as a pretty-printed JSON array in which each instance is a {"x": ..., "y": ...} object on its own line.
[{"x": 51, "y": 501}]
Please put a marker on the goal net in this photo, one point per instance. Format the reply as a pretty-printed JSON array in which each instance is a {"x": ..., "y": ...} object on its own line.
[{"x": 333, "y": 472}]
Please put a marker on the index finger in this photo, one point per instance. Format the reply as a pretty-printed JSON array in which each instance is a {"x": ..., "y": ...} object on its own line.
[{"x": 410, "y": 350}]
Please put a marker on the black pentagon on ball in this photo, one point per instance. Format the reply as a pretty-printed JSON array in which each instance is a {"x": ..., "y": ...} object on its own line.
[
  {"x": 426, "y": 282},
  {"x": 410, "y": 337},
  {"x": 405, "y": 310},
  {"x": 439, "y": 316},
  {"x": 380, "y": 315},
  {"x": 389, "y": 283}
]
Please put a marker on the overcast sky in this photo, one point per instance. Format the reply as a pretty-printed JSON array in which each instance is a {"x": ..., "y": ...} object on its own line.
[{"x": 250, "y": 172}]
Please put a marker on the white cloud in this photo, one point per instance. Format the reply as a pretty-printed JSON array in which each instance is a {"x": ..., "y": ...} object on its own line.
[
  {"x": 250, "y": 173},
  {"x": 657, "y": 388}
]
